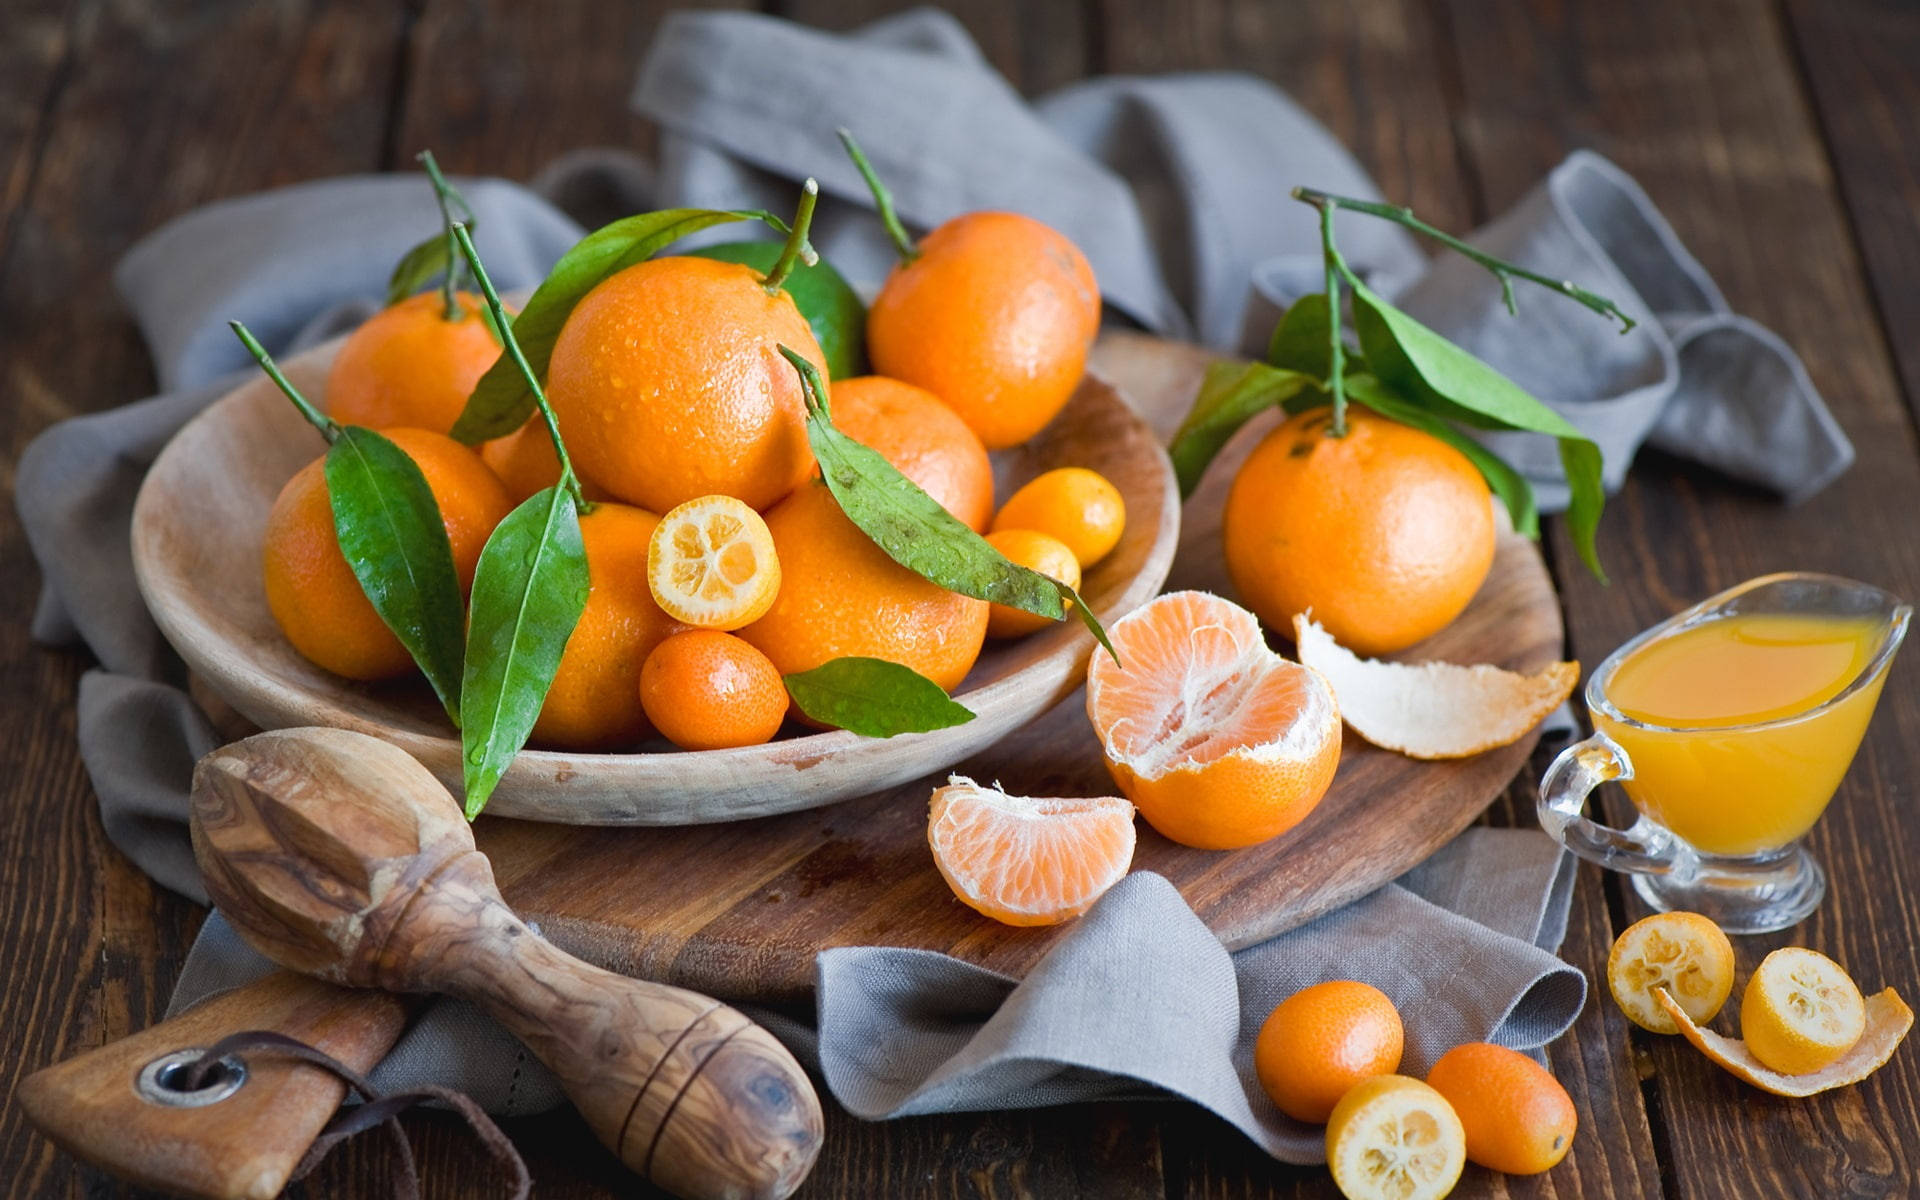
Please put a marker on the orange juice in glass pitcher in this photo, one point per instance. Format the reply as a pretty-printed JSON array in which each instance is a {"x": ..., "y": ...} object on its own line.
[{"x": 1730, "y": 726}]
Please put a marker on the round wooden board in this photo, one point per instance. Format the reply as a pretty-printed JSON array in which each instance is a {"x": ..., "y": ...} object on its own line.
[
  {"x": 202, "y": 510},
  {"x": 742, "y": 910}
]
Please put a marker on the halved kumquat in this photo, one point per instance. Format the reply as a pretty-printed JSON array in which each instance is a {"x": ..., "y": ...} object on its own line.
[{"x": 712, "y": 564}]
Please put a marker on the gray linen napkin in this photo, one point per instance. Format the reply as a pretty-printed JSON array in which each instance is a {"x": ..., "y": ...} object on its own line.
[{"x": 1170, "y": 184}]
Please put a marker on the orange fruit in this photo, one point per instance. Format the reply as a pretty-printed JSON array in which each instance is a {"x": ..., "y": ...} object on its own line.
[
  {"x": 669, "y": 384},
  {"x": 1519, "y": 1120},
  {"x": 410, "y": 366},
  {"x": 922, "y": 438},
  {"x": 594, "y": 702},
  {"x": 1039, "y": 552},
  {"x": 1221, "y": 742},
  {"x": 707, "y": 690},
  {"x": 1073, "y": 504},
  {"x": 1801, "y": 1011},
  {"x": 711, "y": 564},
  {"x": 994, "y": 317},
  {"x": 1320, "y": 1041},
  {"x": 841, "y": 595},
  {"x": 1682, "y": 953},
  {"x": 1887, "y": 1022},
  {"x": 1385, "y": 534},
  {"x": 1024, "y": 860},
  {"x": 312, "y": 592},
  {"x": 1395, "y": 1138}
]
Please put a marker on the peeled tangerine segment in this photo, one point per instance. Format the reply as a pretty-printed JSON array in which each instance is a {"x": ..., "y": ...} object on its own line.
[
  {"x": 1433, "y": 710},
  {"x": 1026, "y": 860},
  {"x": 1888, "y": 1020},
  {"x": 1679, "y": 952}
]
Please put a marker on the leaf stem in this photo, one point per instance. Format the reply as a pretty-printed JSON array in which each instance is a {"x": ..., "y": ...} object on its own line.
[
  {"x": 882, "y": 198},
  {"x": 568, "y": 479},
  {"x": 796, "y": 238},
  {"x": 328, "y": 427},
  {"x": 812, "y": 389},
  {"x": 1506, "y": 272},
  {"x": 1336, "y": 342},
  {"x": 448, "y": 197}
]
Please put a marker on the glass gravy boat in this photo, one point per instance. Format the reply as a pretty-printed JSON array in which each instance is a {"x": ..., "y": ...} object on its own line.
[{"x": 1723, "y": 804}]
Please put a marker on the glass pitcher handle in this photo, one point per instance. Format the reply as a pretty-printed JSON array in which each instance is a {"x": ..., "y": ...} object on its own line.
[{"x": 1646, "y": 849}]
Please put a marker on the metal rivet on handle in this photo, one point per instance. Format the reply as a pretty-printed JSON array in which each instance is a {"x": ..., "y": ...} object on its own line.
[{"x": 158, "y": 1082}]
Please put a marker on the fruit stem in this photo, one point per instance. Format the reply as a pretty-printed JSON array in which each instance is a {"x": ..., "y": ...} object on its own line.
[
  {"x": 448, "y": 197},
  {"x": 1506, "y": 272},
  {"x": 796, "y": 238},
  {"x": 882, "y": 198},
  {"x": 328, "y": 427},
  {"x": 1336, "y": 340},
  {"x": 568, "y": 479}
]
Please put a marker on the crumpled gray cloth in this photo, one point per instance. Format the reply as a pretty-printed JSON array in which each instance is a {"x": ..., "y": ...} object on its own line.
[{"x": 1173, "y": 185}]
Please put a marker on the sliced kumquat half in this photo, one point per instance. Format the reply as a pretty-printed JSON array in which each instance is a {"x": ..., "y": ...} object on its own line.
[
  {"x": 711, "y": 564},
  {"x": 1395, "y": 1138},
  {"x": 1801, "y": 1011},
  {"x": 1220, "y": 741},
  {"x": 1026, "y": 860},
  {"x": 1682, "y": 952}
]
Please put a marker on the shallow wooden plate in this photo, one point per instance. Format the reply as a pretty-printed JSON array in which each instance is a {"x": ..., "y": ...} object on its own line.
[{"x": 201, "y": 512}]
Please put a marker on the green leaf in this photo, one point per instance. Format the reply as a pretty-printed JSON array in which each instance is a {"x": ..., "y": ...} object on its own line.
[
  {"x": 1231, "y": 394},
  {"x": 915, "y": 531},
  {"x": 874, "y": 698},
  {"x": 1415, "y": 360},
  {"x": 1508, "y": 484},
  {"x": 1300, "y": 340},
  {"x": 528, "y": 592},
  {"x": 391, "y": 534},
  {"x": 501, "y": 401},
  {"x": 417, "y": 268}
]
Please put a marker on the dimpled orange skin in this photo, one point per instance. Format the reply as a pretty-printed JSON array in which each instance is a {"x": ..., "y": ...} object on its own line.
[
  {"x": 841, "y": 595},
  {"x": 1519, "y": 1120},
  {"x": 410, "y": 366},
  {"x": 994, "y": 317},
  {"x": 312, "y": 592},
  {"x": 1320, "y": 1041},
  {"x": 525, "y": 461},
  {"x": 1385, "y": 533},
  {"x": 923, "y": 438},
  {"x": 707, "y": 690},
  {"x": 594, "y": 702},
  {"x": 669, "y": 385}
]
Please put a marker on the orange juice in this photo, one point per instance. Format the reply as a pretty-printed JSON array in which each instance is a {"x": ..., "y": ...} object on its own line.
[{"x": 1731, "y": 747}]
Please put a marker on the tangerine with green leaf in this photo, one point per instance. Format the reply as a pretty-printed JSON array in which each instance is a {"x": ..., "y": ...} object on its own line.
[
  {"x": 924, "y": 440},
  {"x": 312, "y": 592},
  {"x": 409, "y": 365},
  {"x": 823, "y": 296},
  {"x": 1385, "y": 532}
]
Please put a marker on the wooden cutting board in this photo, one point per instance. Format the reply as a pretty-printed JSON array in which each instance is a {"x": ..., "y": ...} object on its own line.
[{"x": 740, "y": 910}]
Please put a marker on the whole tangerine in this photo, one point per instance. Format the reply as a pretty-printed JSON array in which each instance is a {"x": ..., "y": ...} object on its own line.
[
  {"x": 1321, "y": 1041},
  {"x": 841, "y": 595},
  {"x": 994, "y": 314},
  {"x": 1519, "y": 1120},
  {"x": 669, "y": 384},
  {"x": 708, "y": 690},
  {"x": 1385, "y": 533},
  {"x": 923, "y": 438},
  {"x": 408, "y": 365},
  {"x": 594, "y": 701},
  {"x": 312, "y": 592}
]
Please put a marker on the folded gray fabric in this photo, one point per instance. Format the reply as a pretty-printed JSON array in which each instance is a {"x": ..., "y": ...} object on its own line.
[{"x": 1172, "y": 185}]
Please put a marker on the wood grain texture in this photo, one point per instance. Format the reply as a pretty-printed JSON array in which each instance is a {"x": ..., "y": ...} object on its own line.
[
  {"x": 337, "y": 855},
  {"x": 245, "y": 1146},
  {"x": 201, "y": 515},
  {"x": 1702, "y": 104}
]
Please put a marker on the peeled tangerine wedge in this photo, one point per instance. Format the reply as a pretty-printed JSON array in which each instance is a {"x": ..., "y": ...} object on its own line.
[
  {"x": 1220, "y": 741},
  {"x": 1433, "y": 710},
  {"x": 1680, "y": 953},
  {"x": 711, "y": 564},
  {"x": 1024, "y": 860},
  {"x": 1395, "y": 1138},
  {"x": 1886, "y": 1019}
]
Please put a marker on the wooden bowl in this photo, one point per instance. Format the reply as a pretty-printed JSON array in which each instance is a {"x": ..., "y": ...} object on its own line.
[{"x": 200, "y": 516}]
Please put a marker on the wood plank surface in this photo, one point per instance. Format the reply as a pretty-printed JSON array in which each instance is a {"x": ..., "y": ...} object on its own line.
[{"x": 1779, "y": 139}]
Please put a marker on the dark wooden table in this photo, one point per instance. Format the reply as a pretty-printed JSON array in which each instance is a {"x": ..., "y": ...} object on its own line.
[{"x": 1782, "y": 139}]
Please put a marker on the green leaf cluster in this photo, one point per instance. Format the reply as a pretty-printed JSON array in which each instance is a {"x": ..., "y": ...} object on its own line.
[{"x": 1404, "y": 371}]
